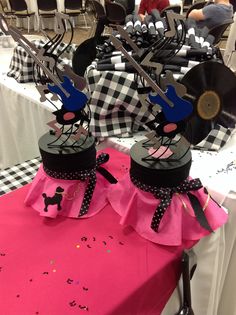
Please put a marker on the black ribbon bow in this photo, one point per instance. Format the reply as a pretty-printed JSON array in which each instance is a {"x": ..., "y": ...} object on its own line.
[
  {"x": 165, "y": 195},
  {"x": 101, "y": 159}
]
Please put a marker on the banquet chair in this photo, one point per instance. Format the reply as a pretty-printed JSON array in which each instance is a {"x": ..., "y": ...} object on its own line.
[
  {"x": 233, "y": 2},
  {"x": 219, "y": 30},
  {"x": 115, "y": 13},
  {"x": 186, "y": 5},
  {"x": 84, "y": 55},
  {"x": 100, "y": 21},
  {"x": 175, "y": 8},
  {"x": 20, "y": 9},
  {"x": 7, "y": 14},
  {"x": 99, "y": 9},
  {"x": 130, "y": 7},
  {"x": 197, "y": 5},
  {"x": 75, "y": 9},
  {"x": 46, "y": 10}
]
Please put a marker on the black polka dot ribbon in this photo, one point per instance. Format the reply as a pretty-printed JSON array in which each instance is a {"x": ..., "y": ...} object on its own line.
[
  {"x": 165, "y": 195},
  {"x": 92, "y": 179}
]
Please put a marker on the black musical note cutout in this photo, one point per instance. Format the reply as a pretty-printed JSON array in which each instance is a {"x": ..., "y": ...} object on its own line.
[
  {"x": 61, "y": 20},
  {"x": 171, "y": 18}
]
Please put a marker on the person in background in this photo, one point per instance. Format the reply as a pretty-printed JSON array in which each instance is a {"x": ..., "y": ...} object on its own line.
[
  {"x": 146, "y": 6},
  {"x": 212, "y": 14},
  {"x": 233, "y": 2}
]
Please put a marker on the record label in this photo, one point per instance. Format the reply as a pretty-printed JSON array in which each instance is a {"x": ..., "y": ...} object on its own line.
[{"x": 208, "y": 105}]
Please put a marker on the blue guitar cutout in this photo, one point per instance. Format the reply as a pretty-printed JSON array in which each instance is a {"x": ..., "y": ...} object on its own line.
[
  {"x": 76, "y": 99},
  {"x": 181, "y": 108}
]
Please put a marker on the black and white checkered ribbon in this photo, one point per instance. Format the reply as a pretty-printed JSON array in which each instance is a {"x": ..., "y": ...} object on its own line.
[{"x": 165, "y": 195}]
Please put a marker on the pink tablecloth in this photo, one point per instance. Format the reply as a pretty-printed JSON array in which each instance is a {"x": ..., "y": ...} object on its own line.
[{"x": 66, "y": 266}]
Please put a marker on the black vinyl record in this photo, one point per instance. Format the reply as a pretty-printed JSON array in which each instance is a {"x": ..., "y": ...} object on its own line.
[
  {"x": 84, "y": 55},
  {"x": 211, "y": 86}
]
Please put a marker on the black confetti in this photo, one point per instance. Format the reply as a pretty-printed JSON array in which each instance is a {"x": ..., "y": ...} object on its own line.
[
  {"x": 73, "y": 303},
  {"x": 83, "y": 307},
  {"x": 121, "y": 243},
  {"x": 104, "y": 243},
  {"x": 110, "y": 236},
  {"x": 69, "y": 281},
  {"x": 229, "y": 168},
  {"x": 45, "y": 273},
  {"x": 85, "y": 289},
  {"x": 89, "y": 246},
  {"x": 84, "y": 239},
  {"x": 2, "y": 254},
  {"x": 94, "y": 239}
]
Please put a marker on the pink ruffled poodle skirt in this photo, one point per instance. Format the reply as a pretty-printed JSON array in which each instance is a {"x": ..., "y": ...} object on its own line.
[{"x": 137, "y": 207}]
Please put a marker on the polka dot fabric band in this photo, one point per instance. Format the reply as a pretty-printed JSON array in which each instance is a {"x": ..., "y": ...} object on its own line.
[
  {"x": 165, "y": 195},
  {"x": 101, "y": 159}
]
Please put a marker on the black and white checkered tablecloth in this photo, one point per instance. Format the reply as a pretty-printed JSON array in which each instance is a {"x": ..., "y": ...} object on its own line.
[
  {"x": 115, "y": 104},
  {"x": 22, "y": 64},
  {"x": 116, "y": 109},
  {"x": 19, "y": 175}
]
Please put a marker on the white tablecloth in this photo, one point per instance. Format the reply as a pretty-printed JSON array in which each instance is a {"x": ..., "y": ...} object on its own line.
[{"x": 23, "y": 117}]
